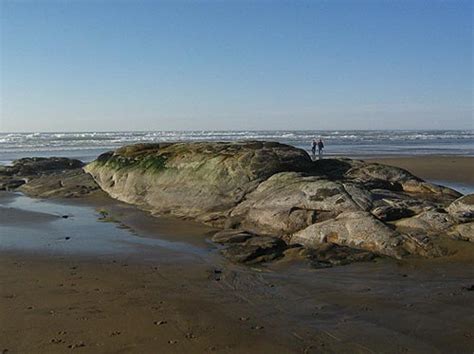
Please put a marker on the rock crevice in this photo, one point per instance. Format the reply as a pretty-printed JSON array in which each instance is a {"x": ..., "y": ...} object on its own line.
[{"x": 264, "y": 189}]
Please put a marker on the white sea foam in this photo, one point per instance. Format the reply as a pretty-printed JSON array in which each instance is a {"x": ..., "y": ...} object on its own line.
[{"x": 337, "y": 142}]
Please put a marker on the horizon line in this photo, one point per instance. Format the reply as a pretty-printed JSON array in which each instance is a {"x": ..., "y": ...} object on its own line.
[{"x": 225, "y": 130}]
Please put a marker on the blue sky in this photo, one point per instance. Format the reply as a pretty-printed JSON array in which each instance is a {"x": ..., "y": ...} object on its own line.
[{"x": 151, "y": 65}]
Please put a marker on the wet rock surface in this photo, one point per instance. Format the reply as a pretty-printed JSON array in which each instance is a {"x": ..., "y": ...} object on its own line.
[
  {"x": 275, "y": 190},
  {"x": 255, "y": 250},
  {"x": 269, "y": 196},
  {"x": 329, "y": 254},
  {"x": 231, "y": 236},
  {"x": 48, "y": 177}
]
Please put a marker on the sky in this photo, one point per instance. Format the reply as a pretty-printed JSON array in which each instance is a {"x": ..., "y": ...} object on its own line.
[{"x": 235, "y": 65}]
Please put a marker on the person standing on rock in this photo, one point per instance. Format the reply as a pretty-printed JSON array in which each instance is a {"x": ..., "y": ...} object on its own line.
[{"x": 320, "y": 148}]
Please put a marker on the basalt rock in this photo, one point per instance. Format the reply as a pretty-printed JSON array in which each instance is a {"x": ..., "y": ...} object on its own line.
[
  {"x": 358, "y": 230},
  {"x": 68, "y": 184},
  {"x": 289, "y": 201},
  {"x": 10, "y": 184},
  {"x": 391, "y": 213},
  {"x": 255, "y": 250},
  {"x": 463, "y": 232},
  {"x": 463, "y": 208},
  {"x": 47, "y": 177},
  {"x": 273, "y": 190},
  {"x": 330, "y": 254},
  {"x": 429, "y": 222},
  {"x": 231, "y": 236},
  {"x": 32, "y": 166},
  {"x": 396, "y": 179},
  {"x": 203, "y": 181}
]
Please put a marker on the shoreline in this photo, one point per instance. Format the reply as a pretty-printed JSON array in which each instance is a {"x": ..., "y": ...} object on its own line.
[{"x": 147, "y": 284}]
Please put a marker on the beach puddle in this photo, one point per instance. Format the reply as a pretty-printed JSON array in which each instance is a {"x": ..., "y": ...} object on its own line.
[{"x": 60, "y": 228}]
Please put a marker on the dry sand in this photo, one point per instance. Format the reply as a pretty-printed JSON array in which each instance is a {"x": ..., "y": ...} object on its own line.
[{"x": 163, "y": 300}]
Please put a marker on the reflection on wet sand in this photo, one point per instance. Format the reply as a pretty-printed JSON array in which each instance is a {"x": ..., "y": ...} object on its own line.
[{"x": 125, "y": 285}]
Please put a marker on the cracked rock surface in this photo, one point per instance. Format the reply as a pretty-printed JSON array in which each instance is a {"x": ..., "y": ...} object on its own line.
[{"x": 266, "y": 196}]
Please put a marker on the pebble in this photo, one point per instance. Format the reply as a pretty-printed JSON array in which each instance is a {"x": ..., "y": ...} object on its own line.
[
  {"x": 67, "y": 238},
  {"x": 78, "y": 345},
  {"x": 171, "y": 341},
  {"x": 159, "y": 323}
]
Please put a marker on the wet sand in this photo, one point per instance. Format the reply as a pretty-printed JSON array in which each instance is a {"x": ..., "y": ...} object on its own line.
[
  {"x": 132, "y": 283},
  {"x": 457, "y": 169},
  {"x": 124, "y": 305}
]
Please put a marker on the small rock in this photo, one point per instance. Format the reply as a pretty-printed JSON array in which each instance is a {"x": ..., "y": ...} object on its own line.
[
  {"x": 159, "y": 323},
  {"x": 468, "y": 288},
  {"x": 171, "y": 341},
  {"x": 463, "y": 208},
  {"x": 67, "y": 238},
  {"x": 231, "y": 236},
  {"x": 255, "y": 250},
  {"x": 391, "y": 213},
  {"x": 329, "y": 254},
  {"x": 78, "y": 345}
]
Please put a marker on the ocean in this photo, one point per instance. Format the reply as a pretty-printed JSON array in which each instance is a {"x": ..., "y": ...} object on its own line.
[{"x": 86, "y": 146}]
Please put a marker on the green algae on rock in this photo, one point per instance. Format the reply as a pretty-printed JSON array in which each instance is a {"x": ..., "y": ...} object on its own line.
[
  {"x": 275, "y": 190},
  {"x": 255, "y": 189}
]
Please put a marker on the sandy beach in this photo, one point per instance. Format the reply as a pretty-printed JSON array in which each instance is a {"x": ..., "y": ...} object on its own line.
[
  {"x": 236, "y": 177},
  {"x": 135, "y": 283},
  {"x": 458, "y": 169}
]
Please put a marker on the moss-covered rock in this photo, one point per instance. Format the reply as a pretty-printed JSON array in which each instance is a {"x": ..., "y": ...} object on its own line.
[{"x": 273, "y": 190}]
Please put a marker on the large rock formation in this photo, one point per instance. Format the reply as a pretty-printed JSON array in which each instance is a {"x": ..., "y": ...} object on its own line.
[
  {"x": 274, "y": 190},
  {"x": 203, "y": 181},
  {"x": 264, "y": 193}
]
